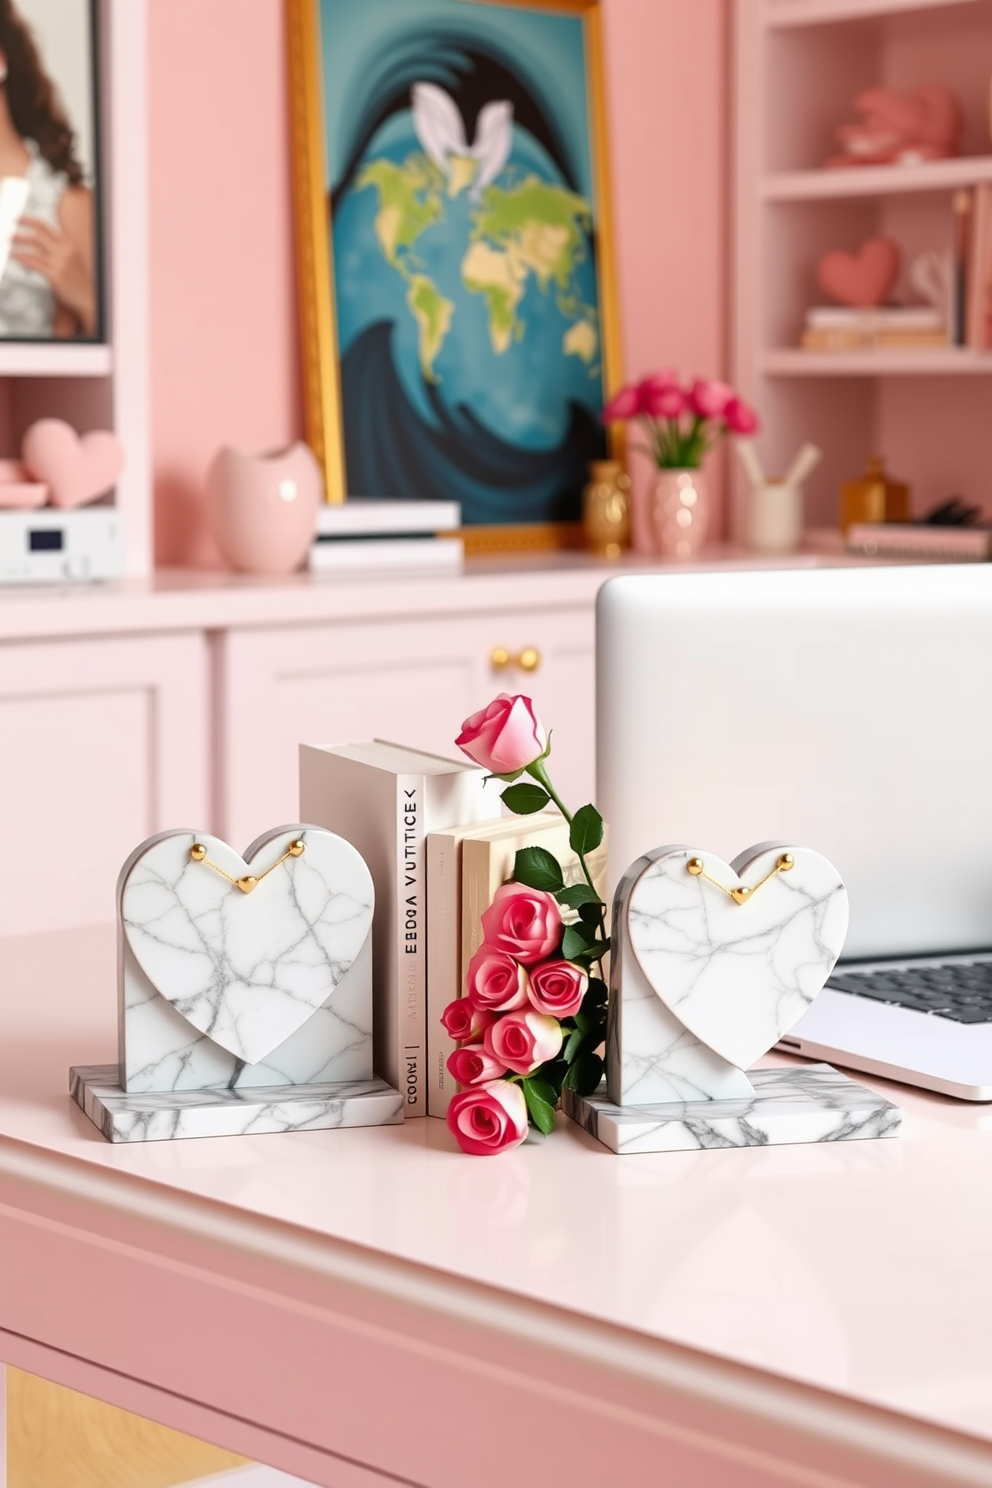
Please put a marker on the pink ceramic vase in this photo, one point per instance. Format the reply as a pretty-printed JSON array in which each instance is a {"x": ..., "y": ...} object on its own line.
[
  {"x": 679, "y": 512},
  {"x": 263, "y": 508}
]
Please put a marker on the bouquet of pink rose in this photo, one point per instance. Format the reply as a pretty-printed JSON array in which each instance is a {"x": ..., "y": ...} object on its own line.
[
  {"x": 682, "y": 421},
  {"x": 533, "y": 1016}
]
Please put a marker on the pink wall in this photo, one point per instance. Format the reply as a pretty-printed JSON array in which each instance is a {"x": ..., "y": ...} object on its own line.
[{"x": 223, "y": 323}]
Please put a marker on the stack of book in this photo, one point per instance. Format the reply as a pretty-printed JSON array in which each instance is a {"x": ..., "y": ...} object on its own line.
[
  {"x": 438, "y": 849},
  {"x": 840, "y": 328},
  {"x": 927, "y": 541},
  {"x": 368, "y": 536}
]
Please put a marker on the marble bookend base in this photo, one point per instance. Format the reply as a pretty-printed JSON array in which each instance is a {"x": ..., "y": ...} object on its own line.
[
  {"x": 814, "y": 1103},
  {"x": 150, "y": 1116}
]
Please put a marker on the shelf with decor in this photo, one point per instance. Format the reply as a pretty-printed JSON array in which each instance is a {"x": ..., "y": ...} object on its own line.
[
  {"x": 877, "y": 180},
  {"x": 99, "y": 53},
  {"x": 801, "y": 68}
]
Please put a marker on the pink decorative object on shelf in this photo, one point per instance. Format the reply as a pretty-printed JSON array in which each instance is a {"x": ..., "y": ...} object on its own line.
[
  {"x": 18, "y": 492},
  {"x": 900, "y": 127},
  {"x": 263, "y": 508},
  {"x": 76, "y": 468},
  {"x": 863, "y": 278},
  {"x": 682, "y": 422}
]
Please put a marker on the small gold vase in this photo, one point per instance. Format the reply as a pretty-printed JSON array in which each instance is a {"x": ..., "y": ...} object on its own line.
[{"x": 606, "y": 509}]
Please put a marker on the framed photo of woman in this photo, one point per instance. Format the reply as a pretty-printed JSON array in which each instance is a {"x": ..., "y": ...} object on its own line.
[
  {"x": 50, "y": 242},
  {"x": 456, "y": 268}
]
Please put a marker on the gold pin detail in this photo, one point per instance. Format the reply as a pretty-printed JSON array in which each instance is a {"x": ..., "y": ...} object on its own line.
[
  {"x": 743, "y": 893},
  {"x": 248, "y": 882}
]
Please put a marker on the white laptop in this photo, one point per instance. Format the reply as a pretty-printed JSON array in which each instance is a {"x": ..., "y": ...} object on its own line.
[{"x": 849, "y": 709}]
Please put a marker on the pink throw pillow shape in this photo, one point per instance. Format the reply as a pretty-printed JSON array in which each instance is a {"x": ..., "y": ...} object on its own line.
[{"x": 77, "y": 469}]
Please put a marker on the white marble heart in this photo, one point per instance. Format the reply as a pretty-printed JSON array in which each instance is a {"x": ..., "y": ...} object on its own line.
[
  {"x": 246, "y": 969},
  {"x": 737, "y": 975}
]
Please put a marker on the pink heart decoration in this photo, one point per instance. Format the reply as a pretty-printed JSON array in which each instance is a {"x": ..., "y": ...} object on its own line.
[
  {"x": 76, "y": 469},
  {"x": 864, "y": 278}
]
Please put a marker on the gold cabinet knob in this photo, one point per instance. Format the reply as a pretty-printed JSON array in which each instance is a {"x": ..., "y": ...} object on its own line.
[{"x": 527, "y": 660}]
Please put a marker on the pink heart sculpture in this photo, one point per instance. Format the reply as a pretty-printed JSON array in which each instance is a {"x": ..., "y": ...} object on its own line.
[
  {"x": 76, "y": 469},
  {"x": 862, "y": 279}
]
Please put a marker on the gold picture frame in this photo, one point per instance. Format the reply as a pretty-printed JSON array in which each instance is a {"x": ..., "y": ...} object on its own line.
[{"x": 322, "y": 370}]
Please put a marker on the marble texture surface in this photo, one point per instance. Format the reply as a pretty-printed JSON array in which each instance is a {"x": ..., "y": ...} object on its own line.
[
  {"x": 123, "y": 1116},
  {"x": 220, "y": 989},
  {"x": 814, "y": 1103},
  {"x": 702, "y": 985}
]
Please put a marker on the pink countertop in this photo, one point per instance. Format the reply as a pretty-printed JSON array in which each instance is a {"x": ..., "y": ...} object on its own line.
[{"x": 862, "y": 1268}]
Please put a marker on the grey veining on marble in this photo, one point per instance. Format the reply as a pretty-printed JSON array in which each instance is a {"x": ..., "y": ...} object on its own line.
[
  {"x": 812, "y": 1103},
  {"x": 219, "y": 989},
  {"x": 702, "y": 985},
  {"x": 123, "y": 1116}
]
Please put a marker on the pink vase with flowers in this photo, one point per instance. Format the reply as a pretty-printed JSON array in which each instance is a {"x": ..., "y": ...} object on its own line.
[{"x": 681, "y": 422}]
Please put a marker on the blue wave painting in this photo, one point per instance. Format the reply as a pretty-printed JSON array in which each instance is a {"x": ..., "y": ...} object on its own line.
[{"x": 460, "y": 186}]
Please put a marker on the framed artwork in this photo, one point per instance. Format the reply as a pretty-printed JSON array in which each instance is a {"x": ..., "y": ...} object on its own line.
[
  {"x": 456, "y": 276},
  {"x": 50, "y": 243}
]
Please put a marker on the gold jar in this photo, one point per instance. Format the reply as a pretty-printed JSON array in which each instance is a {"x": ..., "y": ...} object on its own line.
[
  {"x": 873, "y": 498},
  {"x": 606, "y": 509}
]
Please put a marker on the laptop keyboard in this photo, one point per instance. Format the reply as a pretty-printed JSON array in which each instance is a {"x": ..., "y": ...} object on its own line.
[{"x": 961, "y": 990}]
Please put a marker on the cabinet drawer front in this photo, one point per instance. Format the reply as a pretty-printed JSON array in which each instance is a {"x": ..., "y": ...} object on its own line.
[
  {"x": 102, "y": 742},
  {"x": 410, "y": 681}
]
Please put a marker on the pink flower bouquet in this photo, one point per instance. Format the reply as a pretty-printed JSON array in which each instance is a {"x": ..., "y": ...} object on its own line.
[
  {"x": 681, "y": 421},
  {"x": 533, "y": 1016}
]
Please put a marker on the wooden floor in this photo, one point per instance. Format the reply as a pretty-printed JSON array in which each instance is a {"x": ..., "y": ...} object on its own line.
[{"x": 57, "y": 1438}]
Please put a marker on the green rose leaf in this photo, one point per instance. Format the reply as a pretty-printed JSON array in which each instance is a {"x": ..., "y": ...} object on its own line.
[
  {"x": 586, "y": 831},
  {"x": 596, "y": 993},
  {"x": 586, "y": 1074},
  {"x": 573, "y": 1046},
  {"x": 540, "y": 1110},
  {"x": 535, "y": 868},
  {"x": 525, "y": 798},
  {"x": 591, "y": 914},
  {"x": 579, "y": 940},
  {"x": 576, "y": 895}
]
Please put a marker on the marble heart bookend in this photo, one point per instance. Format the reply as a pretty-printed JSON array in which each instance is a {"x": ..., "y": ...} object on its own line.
[
  {"x": 712, "y": 963},
  {"x": 244, "y": 987}
]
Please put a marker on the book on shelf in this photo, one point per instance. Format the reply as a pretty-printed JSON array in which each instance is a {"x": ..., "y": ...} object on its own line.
[
  {"x": 385, "y": 799},
  {"x": 459, "y": 894},
  {"x": 364, "y": 536},
  {"x": 978, "y": 272},
  {"x": 840, "y": 328},
  {"x": 927, "y": 541}
]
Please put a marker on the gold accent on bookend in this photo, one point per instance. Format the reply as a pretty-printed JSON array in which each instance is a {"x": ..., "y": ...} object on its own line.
[
  {"x": 315, "y": 266},
  {"x": 57, "y": 1438},
  {"x": 248, "y": 882},
  {"x": 527, "y": 660},
  {"x": 741, "y": 895}
]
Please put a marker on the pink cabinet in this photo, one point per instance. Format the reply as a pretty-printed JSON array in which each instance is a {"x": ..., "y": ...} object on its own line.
[
  {"x": 410, "y": 678},
  {"x": 102, "y": 742}
]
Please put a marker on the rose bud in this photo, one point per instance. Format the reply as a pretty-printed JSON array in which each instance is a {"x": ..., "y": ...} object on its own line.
[
  {"x": 741, "y": 417},
  {"x": 505, "y": 737},
  {"x": 489, "y": 1118},
  {"x": 495, "y": 982},
  {"x": 557, "y": 988},
  {"x": 526, "y": 923},
  {"x": 709, "y": 399},
  {"x": 473, "y": 1066},
  {"x": 461, "y": 1021},
  {"x": 523, "y": 1041}
]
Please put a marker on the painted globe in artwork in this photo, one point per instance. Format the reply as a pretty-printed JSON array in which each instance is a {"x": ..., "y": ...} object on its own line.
[{"x": 466, "y": 285}]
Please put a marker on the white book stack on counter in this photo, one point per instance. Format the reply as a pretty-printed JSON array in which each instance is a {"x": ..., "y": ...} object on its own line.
[{"x": 363, "y": 536}]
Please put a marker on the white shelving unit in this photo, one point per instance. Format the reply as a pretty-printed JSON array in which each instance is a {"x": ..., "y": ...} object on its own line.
[
  {"x": 799, "y": 64},
  {"x": 105, "y": 386}
]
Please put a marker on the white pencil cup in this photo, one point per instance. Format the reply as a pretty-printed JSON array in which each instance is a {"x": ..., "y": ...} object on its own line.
[{"x": 773, "y": 517}]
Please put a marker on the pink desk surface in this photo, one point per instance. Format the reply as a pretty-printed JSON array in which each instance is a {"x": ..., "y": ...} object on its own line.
[{"x": 843, "y": 1292}]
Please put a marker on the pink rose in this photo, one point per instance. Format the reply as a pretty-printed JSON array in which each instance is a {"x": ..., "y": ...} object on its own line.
[
  {"x": 524, "y": 922},
  {"x": 461, "y": 1021},
  {"x": 741, "y": 417},
  {"x": 626, "y": 404},
  {"x": 523, "y": 1041},
  {"x": 557, "y": 988},
  {"x": 709, "y": 399},
  {"x": 665, "y": 402},
  {"x": 474, "y": 1066},
  {"x": 495, "y": 982},
  {"x": 505, "y": 737},
  {"x": 488, "y": 1118}
]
